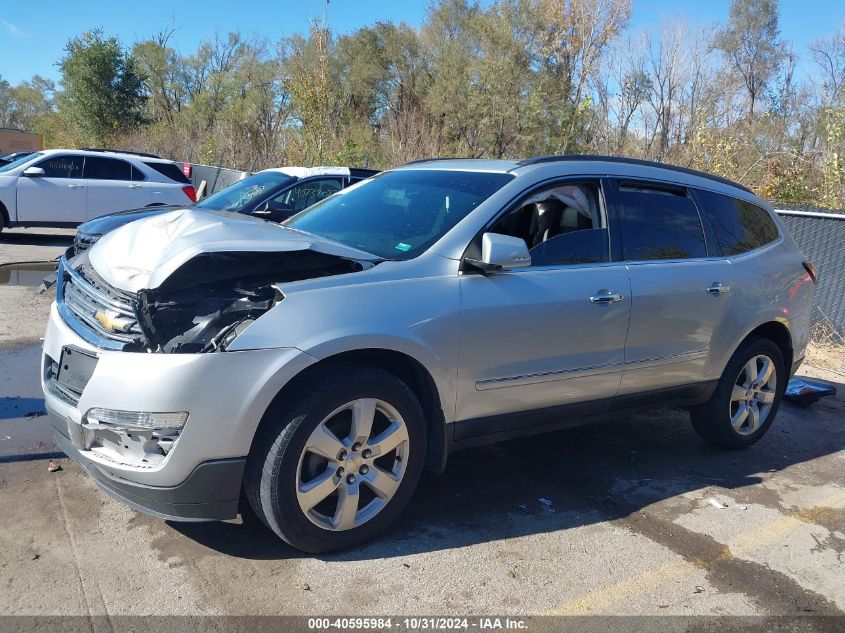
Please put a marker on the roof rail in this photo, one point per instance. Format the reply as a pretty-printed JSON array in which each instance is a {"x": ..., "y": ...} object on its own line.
[
  {"x": 119, "y": 151},
  {"x": 431, "y": 160},
  {"x": 629, "y": 161}
]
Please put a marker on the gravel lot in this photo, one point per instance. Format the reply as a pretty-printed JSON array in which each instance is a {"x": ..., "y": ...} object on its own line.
[{"x": 634, "y": 517}]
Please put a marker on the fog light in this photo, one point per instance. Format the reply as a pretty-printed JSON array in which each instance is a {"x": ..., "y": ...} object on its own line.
[{"x": 137, "y": 420}]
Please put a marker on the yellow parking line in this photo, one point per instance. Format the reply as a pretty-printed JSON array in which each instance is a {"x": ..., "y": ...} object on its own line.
[{"x": 635, "y": 585}]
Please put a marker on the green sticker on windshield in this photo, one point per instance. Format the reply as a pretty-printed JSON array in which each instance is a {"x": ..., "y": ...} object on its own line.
[{"x": 401, "y": 246}]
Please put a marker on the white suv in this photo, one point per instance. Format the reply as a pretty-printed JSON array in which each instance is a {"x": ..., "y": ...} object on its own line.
[{"x": 65, "y": 187}]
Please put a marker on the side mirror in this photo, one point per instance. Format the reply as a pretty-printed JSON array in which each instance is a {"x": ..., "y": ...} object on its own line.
[
  {"x": 34, "y": 172},
  {"x": 501, "y": 252}
]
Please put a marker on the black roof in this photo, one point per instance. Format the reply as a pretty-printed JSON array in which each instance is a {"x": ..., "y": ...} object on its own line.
[{"x": 360, "y": 172}]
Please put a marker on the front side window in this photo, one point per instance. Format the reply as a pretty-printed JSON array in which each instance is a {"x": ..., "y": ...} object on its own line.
[
  {"x": 562, "y": 225},
  {"x": 399, "y": 214},
  {"x": 97, "y": 168},
  {"x": 241, "y": 195},
  {"x": 739, "y": 226},
  {"x": 62, "y": 166},
  {"x": 659, "y": 223},
  {"x": 304, "y": 194}
]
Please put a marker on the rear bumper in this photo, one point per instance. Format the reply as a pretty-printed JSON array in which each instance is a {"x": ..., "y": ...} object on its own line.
[{"x": 209, "y": 493}]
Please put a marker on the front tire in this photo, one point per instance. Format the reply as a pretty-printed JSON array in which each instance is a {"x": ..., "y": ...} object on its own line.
[
  {"x": 336, "y": 466},
  {"x": 747, "y": 397}
]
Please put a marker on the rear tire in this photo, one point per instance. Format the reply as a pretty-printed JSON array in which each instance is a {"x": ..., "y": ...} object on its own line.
[
  {"x": 747, "y": 397},
  {"x": 337, "y": 465}
]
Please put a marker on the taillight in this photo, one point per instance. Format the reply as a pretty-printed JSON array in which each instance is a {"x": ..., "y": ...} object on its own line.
[
  {"x": 190, "y": 192},
  {"x": 811, "y": 270}
]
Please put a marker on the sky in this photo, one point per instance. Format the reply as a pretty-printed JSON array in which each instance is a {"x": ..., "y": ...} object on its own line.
[{"x": 33, "y": 35}]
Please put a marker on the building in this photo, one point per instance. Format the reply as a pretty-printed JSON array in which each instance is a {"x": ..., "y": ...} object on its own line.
[{"x": 18, "y": 141}]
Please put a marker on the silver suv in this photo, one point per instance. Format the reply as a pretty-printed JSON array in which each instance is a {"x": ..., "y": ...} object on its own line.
[{"x": 317, "y": 367}]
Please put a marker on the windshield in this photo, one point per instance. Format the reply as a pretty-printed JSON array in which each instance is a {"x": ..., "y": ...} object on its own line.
[
  {"x": 237, "y": 196},
  {"x": 20, "y": 161},
  {"x": 399, "y": 214}
]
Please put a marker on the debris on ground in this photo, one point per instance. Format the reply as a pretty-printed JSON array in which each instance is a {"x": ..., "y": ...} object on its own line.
[
  {"x": 511, "y": 573},
  {"x": 805, "y": 391},
  {"x": 406, "y": 565},
  {"x": 53, "y": 467},
  {"x": 303, "y": 585},
  {"x": 698, "y": 589},
  {"x": 717, "y": 504}
]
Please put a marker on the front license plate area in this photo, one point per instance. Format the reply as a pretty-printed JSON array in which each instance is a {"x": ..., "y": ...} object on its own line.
[{"x": 75, "y": 368}]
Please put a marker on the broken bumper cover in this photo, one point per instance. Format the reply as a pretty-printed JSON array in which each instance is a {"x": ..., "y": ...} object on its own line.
[
  {"x": 194, "y": 474},
  {"x": 210, "y": 493}
]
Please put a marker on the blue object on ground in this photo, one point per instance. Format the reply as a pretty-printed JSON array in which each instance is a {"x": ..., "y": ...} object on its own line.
[{"x": 806, "y": 391}]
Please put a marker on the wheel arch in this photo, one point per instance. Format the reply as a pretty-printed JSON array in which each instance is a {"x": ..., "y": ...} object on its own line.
[
  {"x": 408, "y": 369},
  {"x": 4, "y": 212},
  {"x": 779, "y": 334}
]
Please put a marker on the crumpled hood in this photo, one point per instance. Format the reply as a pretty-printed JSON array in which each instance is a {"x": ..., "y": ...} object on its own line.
[
  {"x": 143, "y": 254},
  {"x": 109, "y": 222}
]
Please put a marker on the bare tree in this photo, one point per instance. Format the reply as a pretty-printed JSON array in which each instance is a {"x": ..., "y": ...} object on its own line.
[{"x": 751, "y": 41}]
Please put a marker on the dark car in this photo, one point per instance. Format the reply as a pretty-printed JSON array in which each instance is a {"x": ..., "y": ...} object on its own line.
[{"x": 273, "y": 194}]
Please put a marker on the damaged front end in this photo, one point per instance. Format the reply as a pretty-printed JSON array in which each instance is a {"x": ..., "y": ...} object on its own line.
[
  {"x": 200, "y": 308},
  {"x": 189, "y": 281}
]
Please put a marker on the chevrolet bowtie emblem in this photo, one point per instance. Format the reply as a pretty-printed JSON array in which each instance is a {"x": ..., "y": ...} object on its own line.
[{"x": 112, "y": 321}]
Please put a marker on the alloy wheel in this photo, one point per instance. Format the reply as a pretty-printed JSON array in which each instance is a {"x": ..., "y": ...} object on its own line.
[
  {"x": 753, "y": 394},
  {"x": 352, "y": 464}
]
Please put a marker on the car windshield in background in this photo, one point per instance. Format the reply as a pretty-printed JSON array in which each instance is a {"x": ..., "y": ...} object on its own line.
[
  {"x": 399, "y": 214},
  {"x": 20, "y": 161},
  {"x": 239, "y": 195}
]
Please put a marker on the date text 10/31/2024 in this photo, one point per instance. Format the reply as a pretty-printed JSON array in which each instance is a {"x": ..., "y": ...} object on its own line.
[{"x": 417, "y": 624}]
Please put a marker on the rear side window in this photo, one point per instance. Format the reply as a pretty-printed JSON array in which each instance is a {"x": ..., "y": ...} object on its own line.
[
  {"x": 171, "y": 171},
  {"x": 739, "y": 226},
  {"x": 62, "y": 167},
  {"x": 659, "y": 223},
  {"x": 97, "y": 168}
]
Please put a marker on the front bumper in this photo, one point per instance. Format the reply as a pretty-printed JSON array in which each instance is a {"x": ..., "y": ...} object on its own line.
[
  {"x": 211, "y": 492},
  {"x": 224, "y": 393}
]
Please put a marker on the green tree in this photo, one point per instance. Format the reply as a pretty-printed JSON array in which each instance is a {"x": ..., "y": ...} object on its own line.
[{"x": 103, "y": 88}]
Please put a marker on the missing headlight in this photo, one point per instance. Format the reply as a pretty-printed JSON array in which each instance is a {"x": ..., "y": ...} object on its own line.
[{"x": 202, "y": 319}]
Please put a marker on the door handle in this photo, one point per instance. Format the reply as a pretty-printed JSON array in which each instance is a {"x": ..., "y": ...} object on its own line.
[
  {"x": 75, "y": 186},
  {"x": 605, "y": 296},
  {"x": 134, "y": 186},
  {"x": 716, "y": 289}
]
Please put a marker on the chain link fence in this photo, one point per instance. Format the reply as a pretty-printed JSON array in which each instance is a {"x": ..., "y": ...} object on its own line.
[{"x": 821, "y": 237}]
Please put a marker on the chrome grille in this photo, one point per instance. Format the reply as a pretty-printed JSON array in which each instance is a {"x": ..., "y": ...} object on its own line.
[{"x": 84, "y": 296}]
